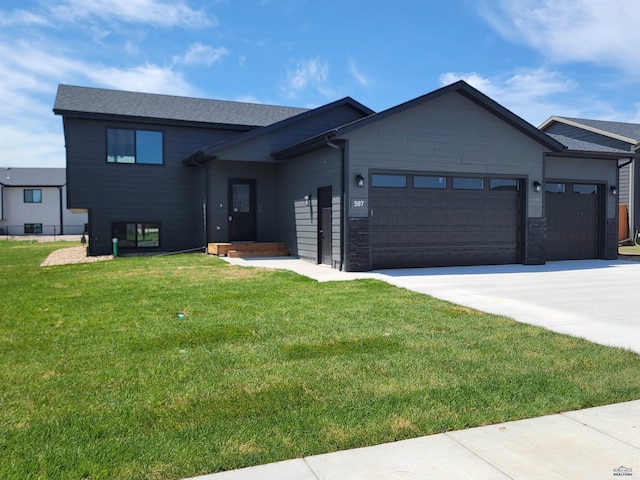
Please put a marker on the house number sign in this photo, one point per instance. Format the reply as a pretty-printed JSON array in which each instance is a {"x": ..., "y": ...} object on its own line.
[{"x": 358, "y": 203}]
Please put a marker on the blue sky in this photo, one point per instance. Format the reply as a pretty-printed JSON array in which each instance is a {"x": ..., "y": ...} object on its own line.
[{"x": 536, "y": 57}]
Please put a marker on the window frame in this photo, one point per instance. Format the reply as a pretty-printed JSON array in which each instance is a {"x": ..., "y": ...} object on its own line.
[
  {"x": 31, "y": 191},
  {"x": 137, "y": 146},
  {"x": 36, "y": 229},
  {"x": 135, "y": 227}
]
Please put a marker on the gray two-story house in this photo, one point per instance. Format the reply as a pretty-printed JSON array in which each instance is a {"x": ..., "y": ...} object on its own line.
[{"x": 449, "y": 178}]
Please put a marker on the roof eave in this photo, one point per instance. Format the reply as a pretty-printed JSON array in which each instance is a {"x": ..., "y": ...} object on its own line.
[{"x": 588, "y": 128}]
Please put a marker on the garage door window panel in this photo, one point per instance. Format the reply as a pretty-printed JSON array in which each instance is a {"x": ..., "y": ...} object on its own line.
[
  {"x": 460, "y": 183},
  {"x": 429, "y": 182},
  {"x": 389, "y": 181}
]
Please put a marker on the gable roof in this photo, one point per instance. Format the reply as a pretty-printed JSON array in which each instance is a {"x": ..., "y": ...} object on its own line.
[
  {"x": 579, "y": 145},
  {"x": 626, "y": 132},
  {"x": 85, "y": 101},
  {"x": 460, "y": 87},
  {"x": 33, "y": 177},
  {"x": 210, "y": 151}
]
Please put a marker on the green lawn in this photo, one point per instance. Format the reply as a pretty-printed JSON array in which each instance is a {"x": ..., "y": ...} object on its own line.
[{"x": 101, "y": 378}]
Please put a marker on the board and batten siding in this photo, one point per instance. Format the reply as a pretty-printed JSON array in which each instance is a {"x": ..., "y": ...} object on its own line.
[
  {"x": 170, "y": 194},
  {"x": 448, "y": 134},
  {"x": 297, "y": 222}
]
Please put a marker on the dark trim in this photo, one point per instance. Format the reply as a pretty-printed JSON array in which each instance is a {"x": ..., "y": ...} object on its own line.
[
  {"x": 61, "y": 211},
  {"x": 460, "y": 87}
]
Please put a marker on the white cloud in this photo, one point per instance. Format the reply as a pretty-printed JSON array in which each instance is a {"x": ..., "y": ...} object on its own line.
[
  {"x": 153, "y": 12},
  {"x": 308, "y": 74},
  {"x": 599, "y": 32},
  {"x": 199, "y": 54},
  {"x": 22, "y": 17},
  {"x": 358, "y": 75},
  {"x": 533, "y": 94},
  {"x": 147, "y": 78}
]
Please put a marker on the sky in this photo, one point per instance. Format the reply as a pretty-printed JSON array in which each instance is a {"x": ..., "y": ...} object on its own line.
[{"x": 538, "y": 58}]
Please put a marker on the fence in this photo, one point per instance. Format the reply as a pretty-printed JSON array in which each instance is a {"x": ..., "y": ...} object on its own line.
[{"x": 40, "y": 229}]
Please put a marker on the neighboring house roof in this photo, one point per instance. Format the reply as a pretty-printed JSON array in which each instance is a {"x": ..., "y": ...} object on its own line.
[
  {"x": 460, "y": 87},
  {"x": 32, "y": 177},
  {"x": 626, "y": 132},
  {"x": 85, "y": 101},
  {"x": 211, "y": 151},
  {"x": 584, "y": 146}
]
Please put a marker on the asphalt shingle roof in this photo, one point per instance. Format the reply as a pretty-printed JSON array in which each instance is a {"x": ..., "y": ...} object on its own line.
[
  {"x": 629, "y": 130},
  {"x": 72, "y": 99},
  {"x": 32, "y": 177},
  {"x": 583, "y": 146}
]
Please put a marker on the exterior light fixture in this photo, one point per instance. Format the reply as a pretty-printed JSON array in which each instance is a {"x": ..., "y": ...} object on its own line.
[
  {"x": 537, "y": 186},
  {"x": 360, "y": 181},
  {"x": 307, "y": 200},
  {"x": 614, "y": 190}
]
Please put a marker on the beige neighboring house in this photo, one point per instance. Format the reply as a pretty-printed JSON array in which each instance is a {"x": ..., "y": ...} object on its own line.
[{"x": 33, "y": 201}]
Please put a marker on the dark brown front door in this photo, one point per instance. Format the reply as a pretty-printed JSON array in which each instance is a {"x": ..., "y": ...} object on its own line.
[
  {"x": 242, "y": 210},
  {"x": 324, "y": 225}
]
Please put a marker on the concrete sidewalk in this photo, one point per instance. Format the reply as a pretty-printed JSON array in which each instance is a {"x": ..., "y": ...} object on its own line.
[
  {"x": 596, "y": 443},
  {"x": 588, "y": 299}
]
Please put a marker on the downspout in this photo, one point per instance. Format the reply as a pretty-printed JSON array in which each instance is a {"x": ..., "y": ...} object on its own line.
[
  {"x": 343, "y": 199},
  {"x": 634, "y": 237},
  {"x": 61, "y": 210}
]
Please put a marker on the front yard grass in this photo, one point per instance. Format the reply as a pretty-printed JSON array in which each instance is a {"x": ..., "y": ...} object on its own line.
[{"x": 170, "y": 367}]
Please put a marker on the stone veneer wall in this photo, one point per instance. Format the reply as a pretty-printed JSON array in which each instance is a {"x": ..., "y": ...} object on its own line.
[
  {"x": 611, "y": 240},
  {"x": 358, "y": 255},
  {"x": 536, "y": 241}
]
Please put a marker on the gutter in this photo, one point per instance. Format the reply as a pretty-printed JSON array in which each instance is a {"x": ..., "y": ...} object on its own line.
[{"x": 343, "y": 198}]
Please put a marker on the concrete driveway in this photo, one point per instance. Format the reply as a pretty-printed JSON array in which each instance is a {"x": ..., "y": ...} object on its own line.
[{"x": 595, "y": 299}]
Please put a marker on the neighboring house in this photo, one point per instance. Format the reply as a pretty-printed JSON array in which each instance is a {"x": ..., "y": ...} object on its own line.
[
  {"x": 449, "y": 178},
  {"x": 614, "y": 137},
  {"x": 33, "y": 202}
]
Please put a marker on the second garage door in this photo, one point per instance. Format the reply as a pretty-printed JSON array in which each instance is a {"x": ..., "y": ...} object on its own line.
[
  {"x": 427, "y": 220},
  {"x": 573, "y": 220}
]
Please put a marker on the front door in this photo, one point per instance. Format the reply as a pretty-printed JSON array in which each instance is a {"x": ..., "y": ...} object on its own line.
[
  {"x": 242, "y": 210},
  {"x": 324, "y": 225}
]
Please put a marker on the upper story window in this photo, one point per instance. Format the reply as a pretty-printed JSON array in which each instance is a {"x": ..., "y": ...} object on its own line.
[
  {"x": 134, "y": 146},
  {"x": 32, "y": 195}
]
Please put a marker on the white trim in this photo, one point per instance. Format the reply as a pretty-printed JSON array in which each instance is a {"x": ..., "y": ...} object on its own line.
[{"x": 588, "y": 128}]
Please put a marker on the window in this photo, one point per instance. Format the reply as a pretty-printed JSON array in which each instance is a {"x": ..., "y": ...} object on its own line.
[
  {"x": 460, "y": 183},
  {"x": 33, "y": 228},
  {"x": 393, "y": 181},
  {"x": 554, "y": 187},
  {"x": 503, "y": 184},
  {"x": 585, "y": 189},
  {"x": 134, "y": 146},
  {"x": 136, "y": 235},
  {"x": 429, "y": 182},
  {"x": 32, "y": 195}
]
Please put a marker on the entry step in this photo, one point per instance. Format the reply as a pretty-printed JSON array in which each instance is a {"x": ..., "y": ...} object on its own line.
[{"x": 248, "y": 249}]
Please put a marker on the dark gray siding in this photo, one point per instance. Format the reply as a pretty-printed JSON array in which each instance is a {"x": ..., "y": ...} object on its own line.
[
  {"x": 170, "y": 194},
  {"x": 448, "y": 134},
  {"x": 220, "y": 173},
  {"x": 297, "y": 222}
]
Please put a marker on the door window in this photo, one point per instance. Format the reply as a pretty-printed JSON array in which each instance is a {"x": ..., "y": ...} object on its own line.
[{"x": 241, "y": 198}]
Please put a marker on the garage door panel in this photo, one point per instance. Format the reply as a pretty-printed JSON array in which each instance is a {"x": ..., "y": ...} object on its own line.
[
  {"x": 445, "y": 227},
  {"x": 573, "y": 221}
]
